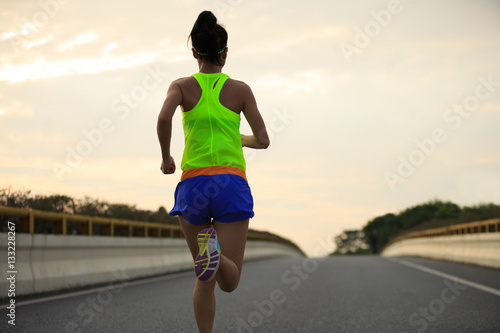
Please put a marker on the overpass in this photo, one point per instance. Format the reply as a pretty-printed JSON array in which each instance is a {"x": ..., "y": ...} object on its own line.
[{"x": 284, "y": 291}]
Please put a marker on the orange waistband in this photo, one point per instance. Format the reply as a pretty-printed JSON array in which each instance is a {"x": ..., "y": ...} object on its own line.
[{"x": 213, "y": 170}]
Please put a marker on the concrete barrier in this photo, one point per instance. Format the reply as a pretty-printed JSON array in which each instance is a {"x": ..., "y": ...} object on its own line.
[
  {"x": 53, "y": 262},
  {"x": 479, "y": 248}
]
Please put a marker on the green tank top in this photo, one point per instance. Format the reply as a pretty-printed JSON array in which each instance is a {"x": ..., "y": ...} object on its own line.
[{"x": 211, "y": 131}]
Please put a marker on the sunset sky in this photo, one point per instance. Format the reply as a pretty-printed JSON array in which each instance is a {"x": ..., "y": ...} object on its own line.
[{"x": 372, "y": 106}]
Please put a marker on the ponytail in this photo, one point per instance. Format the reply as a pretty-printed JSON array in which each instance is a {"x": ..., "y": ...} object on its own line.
[{"x": 209, "y": 38}]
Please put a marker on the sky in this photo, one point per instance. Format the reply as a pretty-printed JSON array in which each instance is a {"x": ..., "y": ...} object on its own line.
[{"x": 371, "y": 106}]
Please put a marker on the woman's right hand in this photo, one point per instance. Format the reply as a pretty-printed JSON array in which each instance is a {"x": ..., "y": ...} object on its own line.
[{"x": 168, "y": 166}]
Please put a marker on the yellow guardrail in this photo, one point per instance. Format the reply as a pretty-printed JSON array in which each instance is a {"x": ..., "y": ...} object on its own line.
[
  {"x": 84, "y": 225},
  {"x": 61, "y": 223},
  {"x": 492, "y": 225}
]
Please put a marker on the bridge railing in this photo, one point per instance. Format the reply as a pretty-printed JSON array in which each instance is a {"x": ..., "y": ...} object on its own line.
[
  {"x": 38, "y": 221},
  {"x": 35, "y": 221},
  {"x": 472, "y": 243},
  {"x": 486, "y": 226},
  {"x": 55, "y": 251}
]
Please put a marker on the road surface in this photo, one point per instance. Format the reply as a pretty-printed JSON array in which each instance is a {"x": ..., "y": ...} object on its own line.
[{"x": 336, "y": 294}]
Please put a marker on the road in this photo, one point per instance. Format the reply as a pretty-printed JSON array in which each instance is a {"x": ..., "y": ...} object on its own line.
[{"x": 336, "y": 294}]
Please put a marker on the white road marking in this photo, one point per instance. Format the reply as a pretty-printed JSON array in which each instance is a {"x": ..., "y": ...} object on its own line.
[{"x": 447, "y": 276}]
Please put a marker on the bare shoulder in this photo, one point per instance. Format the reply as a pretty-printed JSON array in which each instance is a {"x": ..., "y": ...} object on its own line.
[
  {"x": 188, "y": 86},
  {"x": 239, "y": 87},
  {"x": 237, "y": 83},
  {"x": 184, "y": 81}
]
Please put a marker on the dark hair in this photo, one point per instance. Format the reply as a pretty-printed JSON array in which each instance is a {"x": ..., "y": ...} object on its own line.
[{"x": 209, "y": 38}]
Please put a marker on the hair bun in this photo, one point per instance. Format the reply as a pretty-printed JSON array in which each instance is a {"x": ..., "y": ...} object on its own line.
[
  {"x": 209, "y": 38},
  {"x": 207, "y": 19}
]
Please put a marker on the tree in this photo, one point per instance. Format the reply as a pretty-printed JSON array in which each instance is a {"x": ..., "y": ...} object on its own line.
[
  {"x": 351, "y": 242},
  {"x": 431, "y": 214},
  {"x": 162, "y": 216}
]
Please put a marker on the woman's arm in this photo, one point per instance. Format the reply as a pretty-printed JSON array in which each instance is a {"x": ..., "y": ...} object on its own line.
[
  {"x": 164, "y": 126},
  {"x": 259, "y": 139}
]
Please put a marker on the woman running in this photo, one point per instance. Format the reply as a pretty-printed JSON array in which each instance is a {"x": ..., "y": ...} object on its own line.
[{"x": 213, "y": 201}]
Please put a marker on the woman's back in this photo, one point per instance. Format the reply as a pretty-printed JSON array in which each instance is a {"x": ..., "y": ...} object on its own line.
[
  {"x": 212, "y": 131},
  {"x": 232, "y": 95}
]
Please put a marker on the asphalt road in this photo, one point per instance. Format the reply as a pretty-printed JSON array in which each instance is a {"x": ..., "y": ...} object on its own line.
[{"x": 338, "y": 294}]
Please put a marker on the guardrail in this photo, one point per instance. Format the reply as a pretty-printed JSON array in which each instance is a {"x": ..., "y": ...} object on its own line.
[
  {"x": 49, "y": 246},
  {"x": 66, "y": 224},
  {"x": 473, "y": 243},
  {"x": 38, "y": 221},
  {"x": 492, "y": 225}
]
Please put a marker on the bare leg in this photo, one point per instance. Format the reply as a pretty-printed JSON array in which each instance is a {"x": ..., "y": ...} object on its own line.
[
  {"x": 232, "y": 240},
  {"x": 203, "y": 293},
  {"x": 204, "y": 305}
]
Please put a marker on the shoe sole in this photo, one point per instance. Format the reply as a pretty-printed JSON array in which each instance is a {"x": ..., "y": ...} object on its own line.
[{"x": 208, "y": 259}]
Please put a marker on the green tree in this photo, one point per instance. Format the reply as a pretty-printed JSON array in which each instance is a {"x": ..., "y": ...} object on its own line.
[
  {"x": 428, "y": 215},
  {"x": 162, "y": 216},
  {"x": 351, "y": 242}
]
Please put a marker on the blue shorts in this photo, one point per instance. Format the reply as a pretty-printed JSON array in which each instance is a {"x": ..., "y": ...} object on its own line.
[{"x": 221, "y": 198}]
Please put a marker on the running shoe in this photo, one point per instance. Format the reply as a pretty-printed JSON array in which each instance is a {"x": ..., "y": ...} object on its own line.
[{"x": 207, "y": 262}]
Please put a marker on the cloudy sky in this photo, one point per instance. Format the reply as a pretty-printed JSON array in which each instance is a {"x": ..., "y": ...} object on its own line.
[{"x": 372, "y": 106}]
